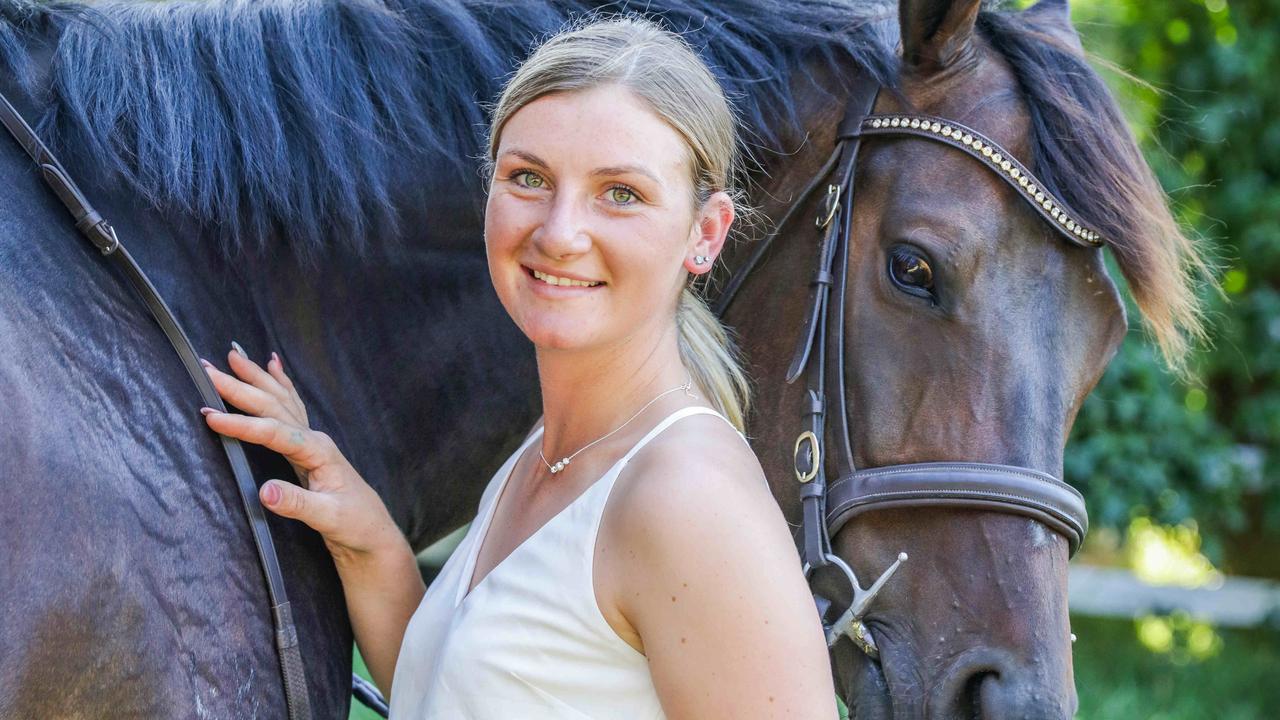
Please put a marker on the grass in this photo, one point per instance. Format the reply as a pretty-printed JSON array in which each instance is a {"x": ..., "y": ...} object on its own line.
[{"x": 1117, "y": 678}]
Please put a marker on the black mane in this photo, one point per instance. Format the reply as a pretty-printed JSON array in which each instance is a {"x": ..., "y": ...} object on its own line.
[{"x": 262, "y": 117}]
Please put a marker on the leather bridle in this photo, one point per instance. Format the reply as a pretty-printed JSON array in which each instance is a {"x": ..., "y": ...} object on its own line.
[{"x": 819, "y": 356}]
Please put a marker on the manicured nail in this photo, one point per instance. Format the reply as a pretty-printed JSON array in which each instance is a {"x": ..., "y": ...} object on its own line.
[
  {"x": 207, "y": 411},
  {"x": 270, "y": 493},
  {"x": 206, "y": 363},
  {"x": 236, "y": 346},
  {"x": 276, "y": 357}
]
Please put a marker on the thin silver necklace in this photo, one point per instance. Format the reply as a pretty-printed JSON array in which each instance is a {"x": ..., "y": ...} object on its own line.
[{"x": 563, "y": 462}]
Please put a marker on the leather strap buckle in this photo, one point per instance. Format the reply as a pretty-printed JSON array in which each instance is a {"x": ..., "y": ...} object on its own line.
[
  {"x": 106, "y": 246},
  {"x": 815, "y": 454},
  {"x": 833, "y": 204}
]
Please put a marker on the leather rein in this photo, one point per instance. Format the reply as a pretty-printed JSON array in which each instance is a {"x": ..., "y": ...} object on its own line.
[
  {"x": 819, "y": 356},
  {"x": 103, "y": 236}
]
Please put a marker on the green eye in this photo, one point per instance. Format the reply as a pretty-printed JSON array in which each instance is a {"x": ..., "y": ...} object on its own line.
[
  {"x": 528, "y": 179},
  {"x": 621, "y": 195}
]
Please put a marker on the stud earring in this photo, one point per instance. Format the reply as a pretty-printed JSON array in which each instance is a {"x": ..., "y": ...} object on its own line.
[{"x": 700, "y": 259}]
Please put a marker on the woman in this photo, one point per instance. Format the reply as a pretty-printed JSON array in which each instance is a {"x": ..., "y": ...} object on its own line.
[{"x": 628, "y": 561}]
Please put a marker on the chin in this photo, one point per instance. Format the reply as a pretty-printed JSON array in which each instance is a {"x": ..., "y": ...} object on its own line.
[{"x": 559, "y": 335}]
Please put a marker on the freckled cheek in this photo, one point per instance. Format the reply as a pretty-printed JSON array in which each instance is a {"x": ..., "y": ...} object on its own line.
[{"x": 506, "y": 227}]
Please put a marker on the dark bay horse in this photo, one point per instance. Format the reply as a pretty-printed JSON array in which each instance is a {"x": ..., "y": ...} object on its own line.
[
  {"x": 302, "y": 177},
  {"x": 973, "y": 333}
]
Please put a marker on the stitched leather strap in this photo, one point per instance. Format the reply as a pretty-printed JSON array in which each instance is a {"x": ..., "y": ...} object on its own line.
[
  {"x": 811, "y": 355},
  {"x": 99, "y": 232},
  {"x": 985, "y": 486}
]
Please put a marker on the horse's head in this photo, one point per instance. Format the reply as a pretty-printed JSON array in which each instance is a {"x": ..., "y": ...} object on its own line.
[{"x": 972, "y": 331}]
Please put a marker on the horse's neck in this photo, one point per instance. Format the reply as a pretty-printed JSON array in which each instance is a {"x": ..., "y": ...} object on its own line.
[{"x": 409, "y": 362}]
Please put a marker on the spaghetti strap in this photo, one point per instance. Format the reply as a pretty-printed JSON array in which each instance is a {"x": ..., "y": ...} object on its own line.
[{"x": 669, "y": 420}]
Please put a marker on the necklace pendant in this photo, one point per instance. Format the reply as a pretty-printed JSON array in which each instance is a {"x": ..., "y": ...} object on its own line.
[{"x": 563, "y": 462}]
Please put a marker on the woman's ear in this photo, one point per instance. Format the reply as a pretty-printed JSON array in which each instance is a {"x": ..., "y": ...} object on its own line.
[{"x": 709, "y": 232}]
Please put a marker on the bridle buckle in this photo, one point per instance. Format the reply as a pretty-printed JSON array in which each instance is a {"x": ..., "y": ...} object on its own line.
[
  {"x": 815, "y": 454},
  {"x": 833, "y": 204}
]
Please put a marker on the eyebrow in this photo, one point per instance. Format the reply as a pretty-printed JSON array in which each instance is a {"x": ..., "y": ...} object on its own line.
[
  {"x": 625, "y": 170},
  {"x": 611, "y": 171},
  {"x": 528, "y": 157}
]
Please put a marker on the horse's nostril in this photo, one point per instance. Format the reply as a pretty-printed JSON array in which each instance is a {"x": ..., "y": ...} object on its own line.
[
  {"x": 987, "y": 684},
  {"x": 1000, "y": 698},
  {"x": 970, "y": 701}
]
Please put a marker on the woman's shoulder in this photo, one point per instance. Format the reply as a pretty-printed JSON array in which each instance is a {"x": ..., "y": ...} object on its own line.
[
  {"x": 687, "y": 481},
  {"x": 703, "y": 565},
  {"x": 699, "y": 454}
]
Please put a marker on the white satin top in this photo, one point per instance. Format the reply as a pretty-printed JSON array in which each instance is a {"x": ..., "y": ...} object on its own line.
[{"x": 529, "y": 642}]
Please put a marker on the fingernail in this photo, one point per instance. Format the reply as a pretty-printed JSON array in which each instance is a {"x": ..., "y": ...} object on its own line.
[
  {"x": 236, "y": 346},
  {"x": 270, "y": 493},
  {"x": 206, "y": 363},
  {"x": 276, "y": 357},
  {"x": 207, "y": 411}
]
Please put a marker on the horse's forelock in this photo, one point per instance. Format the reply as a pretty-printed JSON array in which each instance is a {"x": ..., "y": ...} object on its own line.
[{"x": 1083, "y": 150}]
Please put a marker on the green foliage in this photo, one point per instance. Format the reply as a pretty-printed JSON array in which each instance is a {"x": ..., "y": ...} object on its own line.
[
  {"x": 1204, "y": 111},
  {"x": 1117, "y": 678}
]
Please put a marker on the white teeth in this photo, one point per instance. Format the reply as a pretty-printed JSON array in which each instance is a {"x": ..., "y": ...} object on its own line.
[{"x": 567, "y": 282}]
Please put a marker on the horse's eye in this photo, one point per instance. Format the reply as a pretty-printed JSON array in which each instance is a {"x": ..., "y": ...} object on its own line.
[{"x": 911, "y": 271}]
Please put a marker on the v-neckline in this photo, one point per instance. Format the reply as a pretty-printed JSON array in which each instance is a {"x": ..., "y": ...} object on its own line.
[
  {"x": 465, "y": 588},
  {"x": 468, "y": 574}
]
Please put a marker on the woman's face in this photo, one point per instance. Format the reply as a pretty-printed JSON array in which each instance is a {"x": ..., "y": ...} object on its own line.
[{"x": 591, "y": 224}]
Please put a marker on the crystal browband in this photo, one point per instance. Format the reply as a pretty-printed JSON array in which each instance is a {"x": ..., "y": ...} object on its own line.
[{"x": 1065, "y": 220}]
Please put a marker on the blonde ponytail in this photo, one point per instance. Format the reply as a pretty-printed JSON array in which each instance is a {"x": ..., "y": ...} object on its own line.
[{"x": 712, "y": 358}]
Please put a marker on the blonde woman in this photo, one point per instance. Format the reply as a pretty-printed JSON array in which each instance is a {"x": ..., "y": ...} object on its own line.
[{"x": 628, "y": 561}]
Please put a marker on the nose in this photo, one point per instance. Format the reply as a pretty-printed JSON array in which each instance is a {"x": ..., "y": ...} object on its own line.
[
  {"x": 993, "y": 685},
  {"x": 564, "y": 231}
]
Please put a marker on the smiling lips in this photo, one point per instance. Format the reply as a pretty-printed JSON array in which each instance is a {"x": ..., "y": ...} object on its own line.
[{"x": 563, "y": 281}]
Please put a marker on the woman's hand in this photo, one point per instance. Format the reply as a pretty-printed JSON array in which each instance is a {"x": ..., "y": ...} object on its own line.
[{"x": 333, "y": 500}]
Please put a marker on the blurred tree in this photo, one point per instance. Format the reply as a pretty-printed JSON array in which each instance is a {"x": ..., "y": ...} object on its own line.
[{"x": 1205, "y": 111}]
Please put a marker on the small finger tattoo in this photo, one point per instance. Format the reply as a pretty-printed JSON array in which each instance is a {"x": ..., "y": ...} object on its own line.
[{"x": 296, "y": 437}]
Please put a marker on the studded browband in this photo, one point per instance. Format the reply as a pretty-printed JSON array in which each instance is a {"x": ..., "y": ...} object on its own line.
[{"x": 1066, "y": 221}]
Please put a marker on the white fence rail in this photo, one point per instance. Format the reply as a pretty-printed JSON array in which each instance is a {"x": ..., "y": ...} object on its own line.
[{"x": 1114, "y": 592}]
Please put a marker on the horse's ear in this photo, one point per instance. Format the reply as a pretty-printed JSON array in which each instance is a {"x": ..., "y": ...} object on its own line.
[
  {"x": 1053, "y": 17},
  {"x": 935, "y": 33}
]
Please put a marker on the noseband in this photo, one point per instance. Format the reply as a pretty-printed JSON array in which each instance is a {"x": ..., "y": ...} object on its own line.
[{"x": 819, "y": 356}]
